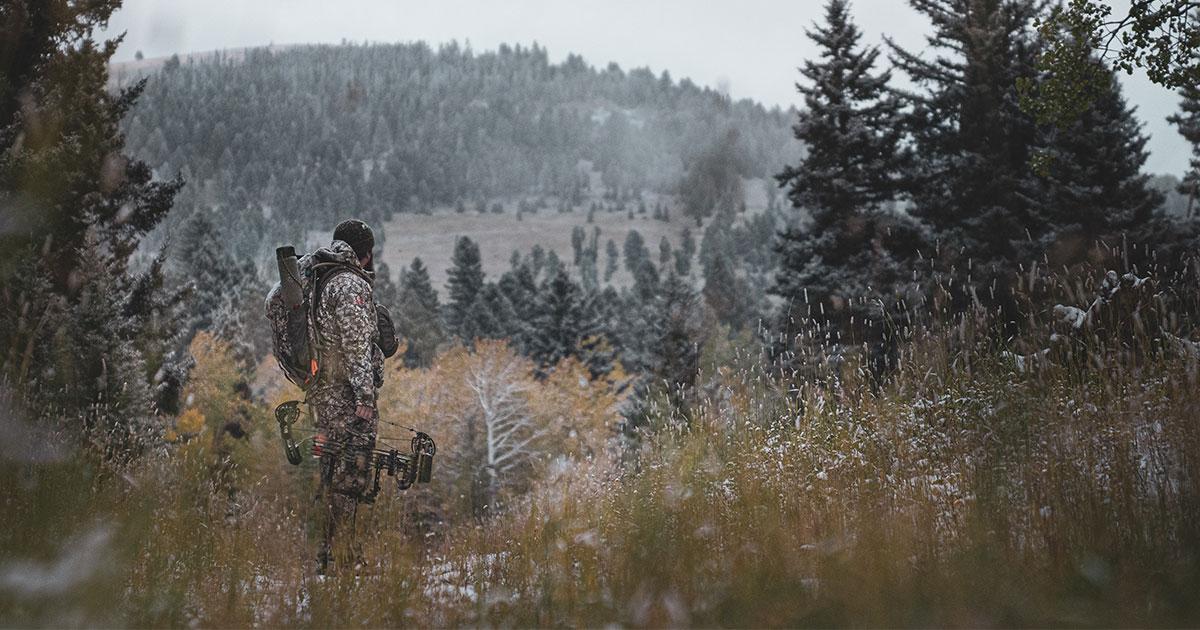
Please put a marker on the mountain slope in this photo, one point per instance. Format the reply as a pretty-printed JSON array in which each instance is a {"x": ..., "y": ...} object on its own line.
[{"x": 279, "y": 141}]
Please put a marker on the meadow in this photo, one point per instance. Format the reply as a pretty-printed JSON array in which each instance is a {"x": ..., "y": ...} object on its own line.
[{"x": 985, "y": 482}]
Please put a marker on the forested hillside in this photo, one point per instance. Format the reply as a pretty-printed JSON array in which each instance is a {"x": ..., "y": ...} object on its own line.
[{"x": 285, "y": 140}]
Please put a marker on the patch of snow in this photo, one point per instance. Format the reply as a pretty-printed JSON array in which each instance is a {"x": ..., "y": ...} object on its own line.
[{"x": 1071, "y": 316}]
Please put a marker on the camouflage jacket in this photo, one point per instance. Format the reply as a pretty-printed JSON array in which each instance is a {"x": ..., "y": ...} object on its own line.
[{"x": 351, "y": 363}]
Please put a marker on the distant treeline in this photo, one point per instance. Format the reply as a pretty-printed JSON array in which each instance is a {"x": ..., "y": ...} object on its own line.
[{"x": 302, "y": 136}]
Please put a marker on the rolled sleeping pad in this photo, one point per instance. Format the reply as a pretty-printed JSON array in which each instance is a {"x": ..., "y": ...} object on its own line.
[{"x": 290, "y": 288}]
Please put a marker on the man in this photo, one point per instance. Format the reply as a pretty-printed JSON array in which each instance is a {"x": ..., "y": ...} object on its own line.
[{"x": 350, "y": 371}]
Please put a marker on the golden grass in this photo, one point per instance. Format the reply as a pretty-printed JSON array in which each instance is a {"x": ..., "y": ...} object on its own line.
[{"x": 965, "y": 492}]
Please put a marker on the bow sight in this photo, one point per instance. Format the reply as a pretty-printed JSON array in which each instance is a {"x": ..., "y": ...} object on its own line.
[{"x": 408, "y": 468}]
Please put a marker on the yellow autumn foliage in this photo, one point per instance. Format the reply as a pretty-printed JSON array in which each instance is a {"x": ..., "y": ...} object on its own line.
[
  {"x": 211, "y": 389},
  {"x": 565, "y": 415},
  {"x": 580, "y": 414},
  {"x": 190, "y": 422},
  {"x": 581, "y": 411}
]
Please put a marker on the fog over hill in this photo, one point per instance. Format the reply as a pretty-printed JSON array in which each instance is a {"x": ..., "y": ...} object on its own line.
[{"x": 278, "y": 142}]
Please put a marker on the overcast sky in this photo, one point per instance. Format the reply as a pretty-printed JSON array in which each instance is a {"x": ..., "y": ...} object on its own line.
[{"x": 751, "y": 47}]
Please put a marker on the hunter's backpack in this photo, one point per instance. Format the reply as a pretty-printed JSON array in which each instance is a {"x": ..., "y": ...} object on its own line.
[
  {"x": 296, "y": 338},
  {"x": 291, "y": 308}
]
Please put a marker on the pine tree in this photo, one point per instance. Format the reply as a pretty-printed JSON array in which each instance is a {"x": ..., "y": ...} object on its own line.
[
  {"x": 520, "y": 288},
  {"x": 416, "y": 287},
  {"x": 239, "y": 321},
  {"x": 490, "y": 316},
  {"x": 635, "y": 251},
  {"x": 465, "y": 282},
  {"x": 635, "y": 326},
  {"x": 161, "y": 318},
  {"x": 726, "y": 294},
  {"x": 613, "y": 256},
  {"x": 95, "y": 357},
  {"x": 589, "y": 274},
  {"x": 713, "y": 182},
  {"x": 683, "y": 256},
  {"x": 553, "y": 265},
  {"x": 664, "y": 252},
  {"x": 687, "y": 242},
  {"x": 852, "y": 129},
  {"x": 1093, "y": 185},
  {"x": 1188, "y": 123},
  {"x": 678, "y": 346},
  {"x": 661, "y": 345},
  {"x": 645, "y": 281},
  {"x": 204, "y": 264},
  {"x": 563, "y": 319},
  {"x": 972, "y": 184},
  {"x": 416, "y": 316},
  {"x": 62, "y": 172},
  {"x": 720, "y": 240},
  {"x": 81, "y": 332},
  {"x": 537, "y": 260},
  {"x": 578, "y": 236},
  {"x": 384, "y": 290}
]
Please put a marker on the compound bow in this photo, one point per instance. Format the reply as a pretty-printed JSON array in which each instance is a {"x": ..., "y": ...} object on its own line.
[{"x": 408, "y": 468}]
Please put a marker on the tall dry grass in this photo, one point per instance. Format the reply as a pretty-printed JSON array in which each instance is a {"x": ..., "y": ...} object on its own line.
[{"x": 969, "y": 489}]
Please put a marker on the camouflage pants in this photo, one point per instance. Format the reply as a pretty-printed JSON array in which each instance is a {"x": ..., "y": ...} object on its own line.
[{"x": 346, "y": 475}]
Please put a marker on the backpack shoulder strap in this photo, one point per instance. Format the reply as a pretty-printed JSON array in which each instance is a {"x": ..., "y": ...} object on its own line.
[{"x": 322, "y": 273}]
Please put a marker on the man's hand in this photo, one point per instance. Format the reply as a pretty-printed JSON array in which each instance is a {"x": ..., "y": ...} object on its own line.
[{"x": 365, "y": 412}]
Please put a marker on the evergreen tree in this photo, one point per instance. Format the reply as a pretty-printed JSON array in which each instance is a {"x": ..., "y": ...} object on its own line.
[
  {"x": 239, "y": 319},
  {"x": 677, "y": 351},
  {"x": 726, "y": 294},
  {"x": 683, "y": 265},
  {"x": 687, "y": 242},
  {"x": 490, "y": 316},
  {"x": 564, "y": 318},
  {"x": 62, "y": 171},
  {"x": 204, "y": 264},
  {"x": 852, "y": 129},
  {"x": 553, "y": 265},
  {"x": 416, "y": 316},
  {"x": 578, "y": 236},
  {"x": 1092, "y": 178},
  {"x": 972, "y": 183},
  {"x": 520, "y": 288},
  {"x": 664, "y": 252},
  {"x": 610, "y": 249},
  {"x": 108, "y": 367},
  {"x": 1188, "y": 123},
  {"x": 537, "y": 260},
  {"x": 662, "y": 340},
  {"x": 416, "y": 287},
  {"x": 81, "y": 333},
  {"x": 385, "y": 291},
  {"x": 645, "y": 281},
  {"x": 589, "y": 275},
  {"x": 683, "y": 256},
  {"x": 718, "y": 240},
  {"x": 465, "y": 283},
  {"x": 713, "y": 182},
  {"x": 635, "y": 251}
]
